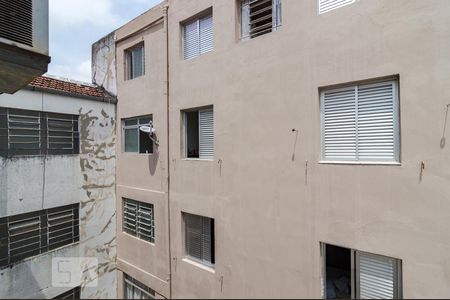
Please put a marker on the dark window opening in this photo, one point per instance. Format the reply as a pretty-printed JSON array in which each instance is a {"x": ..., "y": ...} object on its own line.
[
  {"x": 200, "y": 239},
  {"x": 192, "y": 135},
  {"x": 71, "y": 294},
  {"x": 135, "y": 140},
  {"x": 338, "y": 272}
]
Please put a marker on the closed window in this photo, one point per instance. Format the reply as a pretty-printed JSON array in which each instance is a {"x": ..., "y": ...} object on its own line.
[
  {"x": 259, "y": 17},
  {"x": 135, "y": 61},
  {"x": 139, "y": 219},
  {"x": 27, "y": 132},
  {"x": 199, "y": 238},
  {"x": 198, "y": 37},
  {"x": 329, "y": 5},
  {"x": 353, "y": 274},
  {"x": 199, "y": 133},
  {"x": 134, "y": 289},
  {"x": 134, "y": 139},
  {"x": 30, "y": 234},
  {"x": 360, "y": 123},
  {"x": 70, "y": 294}
]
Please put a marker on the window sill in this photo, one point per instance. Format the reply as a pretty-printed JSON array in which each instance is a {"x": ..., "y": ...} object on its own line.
[
  {"x": 198, "y": 159},
  {"x": 138, "y": 239},
  {"x": 361, "y": 163},
  {"x": 138, "y": 154},
  {"x": 209, "y": 269}
]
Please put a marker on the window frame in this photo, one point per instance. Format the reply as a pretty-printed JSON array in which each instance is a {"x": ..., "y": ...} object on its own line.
[
  {"x": 321, "y": 11},
  {"x": 354, "y": 270},
  {"x": 137, "y": 234},
  {"x": 129, "y": 281},
  {"x": 128, "y": 61},
  {"x": 196, "y": 19},
  {"x": 212, "y": 238},
  {"x": 185, "y": 133},
  {"x": 396, "y": 161},
  {"x": 277, "y": 19},
  {"x": 132, "y": 127}
]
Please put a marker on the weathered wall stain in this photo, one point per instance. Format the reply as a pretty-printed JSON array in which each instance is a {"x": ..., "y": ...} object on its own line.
[{"x": 98, "y": 215}]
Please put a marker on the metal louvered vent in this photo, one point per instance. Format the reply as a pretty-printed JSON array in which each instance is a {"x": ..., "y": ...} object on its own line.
[
  {"x": 16, "y": 21},
  {"x": 138, "y": 220},
  {"x": 329, "y": 5},
  {"x": 30, "y": 234},
  {"x": 199, "y": 238}
]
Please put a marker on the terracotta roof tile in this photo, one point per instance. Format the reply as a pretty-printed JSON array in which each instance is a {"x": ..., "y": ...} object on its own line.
[{"x": 75, "y": 88}]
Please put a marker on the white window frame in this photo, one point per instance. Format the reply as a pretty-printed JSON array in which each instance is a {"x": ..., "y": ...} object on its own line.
[
  {"x": 137, "y": 126},
  {"x": 276, "y": 18},
  {"x": 396, "y": 123},
  {"x": 185, "y": 134},
  {"x": 354, "y": 265},
  {"x": 197, "y": 21}
]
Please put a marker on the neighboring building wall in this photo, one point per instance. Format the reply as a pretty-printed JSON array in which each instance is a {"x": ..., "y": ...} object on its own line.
[
  {"x": 271, "y": 199},
  {"x": 144, "y": 177},
  {"x": 31, "y": 183},
  {"x": 104, "y": 64}
]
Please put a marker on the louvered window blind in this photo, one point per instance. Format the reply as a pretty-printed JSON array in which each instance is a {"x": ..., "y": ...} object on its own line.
[
  {"x": 259, "y": 17},
  {"x": 26, "y": 132},
  {"x": 134, "y": 289},
  {"x": 16, "y": 21},
  {"x": 361, "y": 123},
  {"x": 135, "y": 61},
  {"x": 199, "y": 238},
  {"x": 329, "y": 5},
  {"x": 30, "y": 234},
  {"x": 138, "y": 219},
  {"x": 206, "y": 129},
  {"x": 198, "y": 36},
  {"x": 377, "y": 277}
]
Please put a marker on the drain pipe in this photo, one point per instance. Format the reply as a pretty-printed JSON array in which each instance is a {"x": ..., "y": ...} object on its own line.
[{"x": 166, "y": 28}]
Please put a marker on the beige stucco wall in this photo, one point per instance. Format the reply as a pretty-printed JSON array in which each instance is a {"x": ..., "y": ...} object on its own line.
[
  {"x": 272, "y": 208},
  {"x": 143, "y": 177}
]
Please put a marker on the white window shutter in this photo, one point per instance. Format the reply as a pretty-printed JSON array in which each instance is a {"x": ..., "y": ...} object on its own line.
[
  {"x": 206, "y": 34},
  {"x": 206, "y": 128},
  {"x": 329, "y": 5},
  {"x": 377, "y": 277},
  {"x": 339, "y": 124},
  {"x": 191, "y": 40},
  {"x": 377, "y": 122}
]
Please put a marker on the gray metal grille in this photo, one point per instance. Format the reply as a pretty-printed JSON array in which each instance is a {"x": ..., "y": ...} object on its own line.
[
  {"x": 134, "y": 289},
  {"x": 16, "y": 21},
  {"x": 26, "y": 132},
  {"x": 34, "y": 233},
  {"x": 71, "y": 294},
  {"x": 138, "y": 219}
]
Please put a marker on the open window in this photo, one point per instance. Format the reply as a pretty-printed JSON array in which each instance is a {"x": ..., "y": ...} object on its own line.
[
  {"x": 134, "y": 139},
  {"x": 353, "y": 274},
  {"x": 135, "y": 61},
  {"x": 199, "y": 133},
  {"x": 259, "y": 17}
]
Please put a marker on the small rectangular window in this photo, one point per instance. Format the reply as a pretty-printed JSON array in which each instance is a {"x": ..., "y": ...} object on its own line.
[
  {"x": 198, "y": 37},
  {"x": 139, "y": 219},
  {"x": 199, "y": 133},
  {"x": 361, "y": 123},
  {"x": 135, "y": 61},
  {"x": 329, "y": 5},
  {"x": 74, "y": 293},
  {"x": 353, "y": 274},
  {"x": 134, "y": 289},
  {"x": 259, "y": 17},
  {"x": 30, "y": 234},
  {"x": 199, "y": 238},
  {"x": 134, "y": 139},
  {"x": 26, "y": 132}
]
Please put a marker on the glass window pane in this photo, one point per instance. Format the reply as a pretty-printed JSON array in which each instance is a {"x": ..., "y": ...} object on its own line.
[
  {"x": 130, "y": 122},
  {"x": 143, "y": 121},
  {"x": 131, "y": 140}
]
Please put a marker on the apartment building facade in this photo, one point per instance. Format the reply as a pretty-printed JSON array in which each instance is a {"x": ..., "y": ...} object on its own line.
[
  {"x": 299, "y": 149},
  {"x": 57, "y": 176}
]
